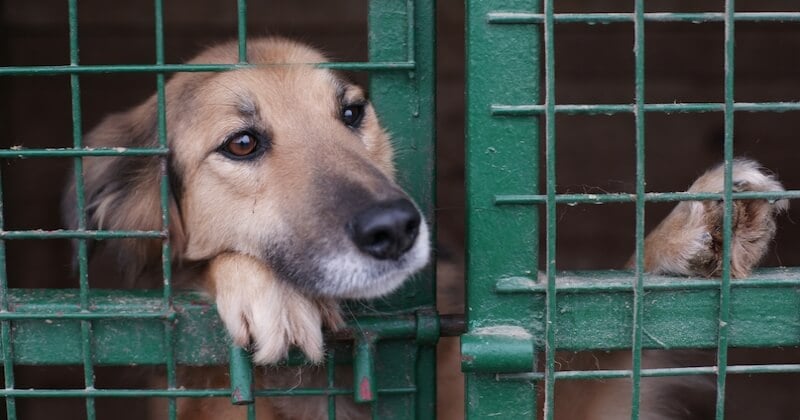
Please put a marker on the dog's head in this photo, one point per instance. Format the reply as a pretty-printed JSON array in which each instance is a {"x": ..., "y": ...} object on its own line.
[{"x": 284, "y": 162}]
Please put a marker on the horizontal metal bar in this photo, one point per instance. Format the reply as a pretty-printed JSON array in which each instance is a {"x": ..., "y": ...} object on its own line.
[
  {"x": 612, "y": 109},
  {"x": 81, "y": 234},
  {"x": 595, "y": 312},
  {"x": 183, "y": 393},
  {"x": 73, "y": 152},
  {"x": 574, "y": 199},
  {"x": 595, "y": 18},
  {"x": 128, "y": 327},
  {"x": 11, "y": 316},
  {"x": 615, "y": 281},
  {"x": 175, "y": 68},
  {"x": 658, "y": 372}
]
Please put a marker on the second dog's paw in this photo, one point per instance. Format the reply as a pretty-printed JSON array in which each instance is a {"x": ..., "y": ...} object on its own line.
[
  {"x": 262, "y": 312},
  {"x": 753, "y": 224},
  {"x": 689, "y": 240}
]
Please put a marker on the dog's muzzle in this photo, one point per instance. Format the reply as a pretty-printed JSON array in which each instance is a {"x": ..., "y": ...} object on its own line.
[{"x": 385, "y": 230}]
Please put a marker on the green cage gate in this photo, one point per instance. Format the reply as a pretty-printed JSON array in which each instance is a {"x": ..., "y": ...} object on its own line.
[
  {"x": 89, "y": 327},
  {"x": 517, "y": 316}
]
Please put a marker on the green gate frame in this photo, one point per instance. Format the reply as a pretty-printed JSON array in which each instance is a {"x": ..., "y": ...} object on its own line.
[
  {"x": 514, "y": 315},
  {"x": 394, "y": 352}
]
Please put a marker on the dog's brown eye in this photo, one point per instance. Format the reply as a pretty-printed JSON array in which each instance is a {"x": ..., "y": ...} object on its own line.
[
  {"x": 352, "y": 115},
  {"x": 242, "y": 145}
]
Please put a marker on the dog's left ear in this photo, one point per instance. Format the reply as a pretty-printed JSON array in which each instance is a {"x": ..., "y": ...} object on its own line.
[{"x": 124, "y": 193}]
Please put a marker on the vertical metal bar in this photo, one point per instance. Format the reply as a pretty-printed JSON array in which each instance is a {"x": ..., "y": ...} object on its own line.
[
  {"x": 410, "y": 32},
  {"x": 241, "y": 371},
  {"x": 5, "y": 326},
  {"x": 237, "y": 352},
  {"x": 241, "y": 10},
  {"x": 331, "y": 373},
  {"x": 426, "y": 390},
  {"x": 550, "y": 170},
  {"x": 364, "y": 370},
  {"x": 166, "y": 263},
  {"x": 638, "y": 287},
  {"x": 6, "y": 341},
  {"x": 502, "y": 154},
  {"x": 725, "y": 288},
  {"x": 406, "y": 103},
  {"x": 82, "y": 255}
]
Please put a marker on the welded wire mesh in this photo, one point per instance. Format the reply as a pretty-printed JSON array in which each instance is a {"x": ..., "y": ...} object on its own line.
[
  {"x": 510, "y": 46},
  {"x": 164, "y": 327}
]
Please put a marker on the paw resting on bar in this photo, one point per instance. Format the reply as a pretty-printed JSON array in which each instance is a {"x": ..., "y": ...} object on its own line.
[
  {"x": 265, "y": 314},
  {"x": 689, "y": 241}
]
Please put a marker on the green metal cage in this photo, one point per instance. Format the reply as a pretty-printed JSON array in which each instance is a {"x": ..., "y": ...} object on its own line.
[
  {"x": 393, "y": 352},
  {"x": 516, "y": 317}
]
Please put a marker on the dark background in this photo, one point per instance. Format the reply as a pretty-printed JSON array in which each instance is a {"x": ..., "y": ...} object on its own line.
[{"x": 594, "y": 64}]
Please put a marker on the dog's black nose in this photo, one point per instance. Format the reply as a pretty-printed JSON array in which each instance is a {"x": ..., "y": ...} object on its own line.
[{"x": 386, "y": 230}]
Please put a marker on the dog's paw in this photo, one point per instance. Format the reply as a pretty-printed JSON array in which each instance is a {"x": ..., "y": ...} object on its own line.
[
  {"x": 689, "y": 240},
  {"x": 265, "y": 314}
]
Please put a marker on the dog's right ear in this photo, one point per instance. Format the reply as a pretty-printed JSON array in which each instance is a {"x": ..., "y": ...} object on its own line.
[{"x": 123, "y": 193}]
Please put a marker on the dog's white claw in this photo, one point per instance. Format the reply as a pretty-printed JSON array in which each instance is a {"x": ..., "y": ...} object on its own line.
[{"x": 260, "y": 311}]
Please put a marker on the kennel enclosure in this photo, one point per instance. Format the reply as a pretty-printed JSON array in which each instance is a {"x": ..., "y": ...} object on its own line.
[
  {"x": 169, "y": 328},
  {"x": 519, "y": 316},
  {"x": 521, "y": 309}
]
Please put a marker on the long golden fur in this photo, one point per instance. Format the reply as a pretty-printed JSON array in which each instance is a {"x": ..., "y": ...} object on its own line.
[{"x": 282, "y": 200}]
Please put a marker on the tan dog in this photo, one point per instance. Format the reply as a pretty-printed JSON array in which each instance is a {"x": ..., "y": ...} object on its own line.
[{"x": 283, "y": 200}]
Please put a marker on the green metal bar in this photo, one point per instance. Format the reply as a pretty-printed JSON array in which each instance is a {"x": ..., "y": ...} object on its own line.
[
  {"x": 183, "y": 393},
  {"x": 653, "y": 373},
  {"x": 550, "y": 305},
  {"x": 638, "y": 285},
  {"x": 364, "y": 370},
  {"x": 498, "y": 349},
  {"x": 241, "y": 371},
  {"x": 404, "y": 31},
  {"x": 388, "y": 66},
  {"x": 80, "y": 234},
  {"x": 428, "y": 332},
  {"x": 594, "y": 313},
  {"x": 600, "y": 18},
  {"x": 5, "y": 326},
  {"x": 82, "y": 255},
  {"x": 405, "y": 102},
  {"x": 411, "y": 42},
  {"x": 324, "y": 391},
  {"x": 166, "y": 263},
  {"x": 80, "y": 316},
  {"x": 80, "y": 152},
  {"x": 727, "y": 219},
  {"x": 500, "y": 153},
  {"x": 612, "y": 109},
  {"x": 129, "y": 328},
  {"x": 241, "y": 21},
  {"x": 615, "y": 281},
  {"x": 8, "y": 368},
  {"x": 331, "y": 376},
  {"x": 575, "y": 199}
]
